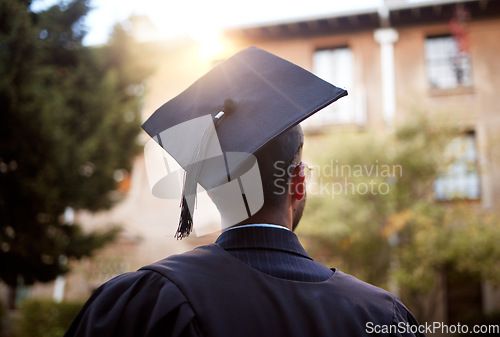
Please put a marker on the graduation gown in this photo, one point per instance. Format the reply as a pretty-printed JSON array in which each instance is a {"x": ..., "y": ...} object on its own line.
[{"x": 251, "y": 282}]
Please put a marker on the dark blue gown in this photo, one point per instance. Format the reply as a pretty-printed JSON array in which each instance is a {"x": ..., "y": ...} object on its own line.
[{"x": 252, "y": 282}]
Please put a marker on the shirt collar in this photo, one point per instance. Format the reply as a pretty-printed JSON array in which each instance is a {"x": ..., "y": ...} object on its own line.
[
  {"x": 266, "y": 225},
  {"x": 261, "y": 237}
]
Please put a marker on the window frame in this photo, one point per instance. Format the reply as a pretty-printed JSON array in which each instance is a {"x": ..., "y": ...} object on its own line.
[
  {"x": 440, "y": 75},
  {"x": 458, "y": 171},
  {"x": 346, "y": 111}
]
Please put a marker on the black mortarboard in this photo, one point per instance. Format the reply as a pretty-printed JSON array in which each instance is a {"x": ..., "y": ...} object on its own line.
[{"x": 237, "y": 107}]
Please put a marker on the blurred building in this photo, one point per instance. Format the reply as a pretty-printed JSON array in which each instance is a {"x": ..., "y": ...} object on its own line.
[{"x": 437, "y": 56}]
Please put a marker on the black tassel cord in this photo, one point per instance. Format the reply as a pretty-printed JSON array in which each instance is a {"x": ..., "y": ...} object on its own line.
[{"x": 192, "y": 174}]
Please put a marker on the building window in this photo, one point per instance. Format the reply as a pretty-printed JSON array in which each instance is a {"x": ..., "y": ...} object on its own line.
[
  {"x": 447, "y": 66},
  {"x": 336, "y": 66},
  {"x": 460, "y": 179}
]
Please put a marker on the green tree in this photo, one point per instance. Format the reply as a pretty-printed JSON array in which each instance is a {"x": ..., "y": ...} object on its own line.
[
  {"x": 377, "y": 217},
  {"x": 69, "y": 121}
]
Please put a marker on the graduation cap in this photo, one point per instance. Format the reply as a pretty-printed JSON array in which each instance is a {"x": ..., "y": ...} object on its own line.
[{"x": 213, "y": 128}]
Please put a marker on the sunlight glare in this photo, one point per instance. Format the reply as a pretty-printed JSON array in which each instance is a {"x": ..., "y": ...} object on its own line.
[{"x": 210, "y": 42}]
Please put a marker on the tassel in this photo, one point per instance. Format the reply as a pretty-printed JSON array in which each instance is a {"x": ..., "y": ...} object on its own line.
[
  {"x": 193, "y": 172},
  {"x": 190, "y": 183},
  {"x": 188, "y": 202},
  {"x": 185, "y": 222}
]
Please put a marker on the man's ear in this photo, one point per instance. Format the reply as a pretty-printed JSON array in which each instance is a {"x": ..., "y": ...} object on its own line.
[{"x": 298, "y": 183}]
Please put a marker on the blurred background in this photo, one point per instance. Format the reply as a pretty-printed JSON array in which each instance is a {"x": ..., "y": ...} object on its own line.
[{"x": 405, "y": 187}]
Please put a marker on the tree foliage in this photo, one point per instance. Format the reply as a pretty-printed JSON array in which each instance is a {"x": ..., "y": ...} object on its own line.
[
  {"x": 396, "y": 230},
  {"x": 45, "y": 318},
  {"x": 69, "y": 121}
]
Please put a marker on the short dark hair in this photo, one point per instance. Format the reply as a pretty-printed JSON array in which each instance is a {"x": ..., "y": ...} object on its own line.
[{"x": 274, "y": 160}]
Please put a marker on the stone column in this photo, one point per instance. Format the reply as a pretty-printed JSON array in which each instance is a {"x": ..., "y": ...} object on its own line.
[{"x": 386, "y": 38}]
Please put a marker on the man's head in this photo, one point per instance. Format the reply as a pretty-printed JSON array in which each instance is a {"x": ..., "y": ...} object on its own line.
[{"x": 282, "y": 180}]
